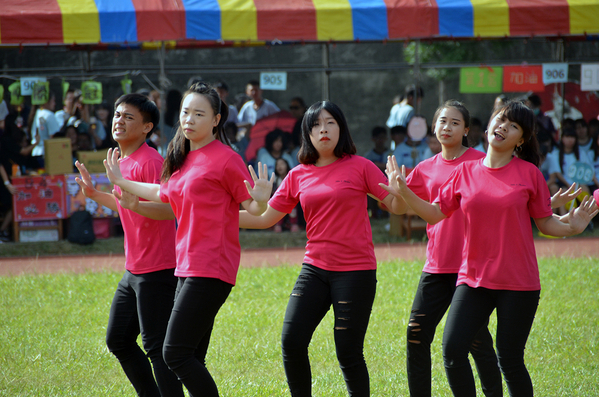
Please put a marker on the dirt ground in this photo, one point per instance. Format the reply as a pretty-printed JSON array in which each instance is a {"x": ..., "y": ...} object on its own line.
[{"x": 573, "y": 248}]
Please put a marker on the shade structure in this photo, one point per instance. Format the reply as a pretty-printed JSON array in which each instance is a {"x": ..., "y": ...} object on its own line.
[
  {"x": 132, "y": 21},
  {"x": 282, "y": 120}
]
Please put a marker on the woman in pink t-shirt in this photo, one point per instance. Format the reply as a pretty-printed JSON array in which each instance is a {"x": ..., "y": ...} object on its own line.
[
  {"x": 331, "y": 184},
  {"x": 497, "y": 195},
  {"x": 204, "y": 181},
  {"x": 443, "y": 258}
]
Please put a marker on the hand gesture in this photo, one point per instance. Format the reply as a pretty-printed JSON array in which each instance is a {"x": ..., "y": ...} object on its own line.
[
  {"x": 396, "y": 175},
  {"x": 12, "y": 189},
  {"x": 561, "y": 198},
  {"x": 127, "y": 200},
  {"x": 85, "y": 181},
  {"x": 581, "y": 216},
  {"x": 113, "y": 171},
  {"x": 262, "y": 185}
]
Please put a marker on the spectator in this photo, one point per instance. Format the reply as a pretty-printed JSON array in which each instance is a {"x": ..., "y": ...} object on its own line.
[
  {"x": 239, "y": 145},
  {"x": 378, "y": 155},
  {"x": 410, "y": 152},
  {"x": 398, "y": 136},
  {"x": 171, "y": 116},
  {"x": 585, "y": 139},
  {"x": 104, "y": 115},
  {"x": 63, "y": 115},
  {"x": 500, "y": 100},
  {"x": 275, "y": 144},
  {"x": 593, "y": 126},
  {"x": 223, "y": 92},
  {"x": 44, "y": 122},
  {"x": 290, "y": 220},
  {"x": 402, "y": 113},
  {"x": 434, "y": 146},
  {"x": 297, "y": 107},
  {"x": 545, "y": 126},
  {"x": 257, "y": 107},
  {"x": 476, "y": 139}
]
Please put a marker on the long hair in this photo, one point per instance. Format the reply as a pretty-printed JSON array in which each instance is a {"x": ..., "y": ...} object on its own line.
[
  {"x": 575, "y": 149},
  {"x": 308, "y": 153},
  {"x": 521, "y": 114},
  {"x": 460, "y": 107},
  {"x": 179, "y": 147}
]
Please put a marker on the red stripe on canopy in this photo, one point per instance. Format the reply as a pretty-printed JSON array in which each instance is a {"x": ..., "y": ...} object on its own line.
[
  {"x": 412, "y": 18},
  {"x": 534, "y": 18},
  {"x": 286, "y": 20},
  {"x": 22, "y": 21},
  {"x": 160, "y": 19}
]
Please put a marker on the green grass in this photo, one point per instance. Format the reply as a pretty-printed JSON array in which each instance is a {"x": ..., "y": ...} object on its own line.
[{"x": 52, "y": 335}]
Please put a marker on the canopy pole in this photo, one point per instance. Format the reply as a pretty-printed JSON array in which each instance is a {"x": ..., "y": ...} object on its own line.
[
  {"x": 163, "y": 82},
  {"x": 326, "y": 74},
  {"x": 417, "y": 74}
]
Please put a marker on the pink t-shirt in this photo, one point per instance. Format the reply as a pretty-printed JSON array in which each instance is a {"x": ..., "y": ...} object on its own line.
[
  {"x": 446, "y": 238},
  {"x": 205, "y": 195},
  {"x": 149, "y": 244},
  {"x": 334, "y": 201},
  {"x": 497, "y": 203}
]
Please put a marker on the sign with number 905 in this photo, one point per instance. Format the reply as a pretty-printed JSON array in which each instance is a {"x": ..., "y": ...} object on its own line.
[{"x": 273, "y": 81}]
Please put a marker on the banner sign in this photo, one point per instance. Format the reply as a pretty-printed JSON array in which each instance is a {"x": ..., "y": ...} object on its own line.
[
  {"x": 555, "y": 73},
  {"x": 27, "y": 84},
  {"x": 273, "y": 81},
  {"x": 481, "y": 80},
  {"x": 39, "y": 198},
  {"x": 77, "y": 201},
  {"x": 523, "y": 78},
  {"x": 589, "y": 77},
  {"x": 40, "y": 93},
  {"x": 91, "y": 93}
]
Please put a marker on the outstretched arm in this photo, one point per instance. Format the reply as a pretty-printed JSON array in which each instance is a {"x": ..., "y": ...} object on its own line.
[
  {"x": 431, "y": 213},
  {"x": 577, "y": 219},
  {"x": 268, "y": 219},
  {"x": 260, "y": 192},
  {"x": 157, "y": 211},
  {"x": 89, "y": 190},
  {"x": 148, "y": 191}
]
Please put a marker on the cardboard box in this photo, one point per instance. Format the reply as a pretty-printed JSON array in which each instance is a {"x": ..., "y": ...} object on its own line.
[
  {"x": 93, "y": 161},
  {"x": 58, "y": 156}
]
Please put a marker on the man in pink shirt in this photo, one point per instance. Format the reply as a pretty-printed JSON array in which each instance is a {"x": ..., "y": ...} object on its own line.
[{"x": 144, "y": 297}]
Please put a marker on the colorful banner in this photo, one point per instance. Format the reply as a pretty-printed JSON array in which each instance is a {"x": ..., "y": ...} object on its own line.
[
  {"x": 76, "y": 201},
  {"x": 39, "y": 198},
  {"x": 124, "y": 22},
  {"x": 523, "y": 78},
  {"x": 481, "y": 80}
]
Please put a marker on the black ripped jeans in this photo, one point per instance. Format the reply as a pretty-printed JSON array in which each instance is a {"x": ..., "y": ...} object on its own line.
[
  {"x": 352, "y": 294},
  {"x": 431, "y": 301}
]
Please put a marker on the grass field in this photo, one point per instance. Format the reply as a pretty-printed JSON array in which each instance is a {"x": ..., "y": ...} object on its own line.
[{"x": 52, "y": 335}]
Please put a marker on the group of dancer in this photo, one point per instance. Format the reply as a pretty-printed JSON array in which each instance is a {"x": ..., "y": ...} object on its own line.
[{"x": 480, "y": 259}]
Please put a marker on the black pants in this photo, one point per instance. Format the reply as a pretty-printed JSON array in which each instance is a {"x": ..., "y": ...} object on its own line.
[
  {"x": 431, "y": 301},
  {"x": 470, "y": 310},
  {"x": 352, "y": 295},
  {"x": 197, "y": 302},
  {"x": 142, "y": 304}
]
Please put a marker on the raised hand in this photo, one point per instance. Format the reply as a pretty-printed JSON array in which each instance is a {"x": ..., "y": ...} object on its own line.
[
  {"x": 113, "y": 171},
  {"x": 127, "y": 200},
  {"x": 262, "y": 185},
  {"x": 581, "y": 216},
  {"x": 85, "y": 181},
  {"x": 396, "y": 175},
  {"x": 561, "y": 198}
]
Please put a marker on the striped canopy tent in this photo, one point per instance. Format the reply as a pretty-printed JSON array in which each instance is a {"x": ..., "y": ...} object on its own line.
[{"x": 66, "y": 22}]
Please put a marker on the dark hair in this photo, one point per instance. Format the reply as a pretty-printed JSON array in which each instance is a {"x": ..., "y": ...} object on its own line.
[
  {"x": 398, "y": 129},
  {"x": 272, "y": 136},
  {"x": 179, "y": 147},
  {"x": 308, "y": 153},
  {"x": 299, "y": 100},
  {"x": 581, "y": 122},
  {"x": 594, "y": 144},
  {"x": 286, "y": 163},
  {"x": 411, "y": 91},
  {"x": 222, "y": 85},
  {"x": 535, "y": 100},
  {"x": 475, "y": 122},
  {"x": 173, "y": 102},
  {"x": 460, "y": 107},
  {"x": 146, "y": 107},
  {"x": 568, "y": 123},
  {"x": 253, "y": 82},
  {"x": 521, "y": 114},
  {"x": 378, "y": 130},
  {"x": 575, "y": 149}
]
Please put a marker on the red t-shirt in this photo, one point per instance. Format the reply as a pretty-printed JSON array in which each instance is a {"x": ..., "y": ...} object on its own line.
[
  {"x": 446, "y": 238},
  {"x": 205, "y": 195},
  {"x": 334, "y": 201},
  {"x": 149, "y": 244},
  {"x": 497, "y": 203}
]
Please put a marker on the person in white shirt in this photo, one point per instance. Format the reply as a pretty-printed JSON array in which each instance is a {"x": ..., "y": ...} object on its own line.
[
  {"x": 257, "y": 107},
  {"x": 44, "y": 123}
]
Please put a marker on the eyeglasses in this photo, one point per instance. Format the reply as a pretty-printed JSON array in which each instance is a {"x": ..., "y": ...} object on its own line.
[{"x": 294, "y": 107}]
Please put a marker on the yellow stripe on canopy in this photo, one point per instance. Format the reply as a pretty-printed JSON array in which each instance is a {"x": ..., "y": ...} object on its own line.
[
  {"x": 333, "y": 20},
  {"x": 491, "y": 18},
  {"x": 584, "y": 16},
  {"x": 239, "y": 20},
  {"x": 80, "y": 21}
]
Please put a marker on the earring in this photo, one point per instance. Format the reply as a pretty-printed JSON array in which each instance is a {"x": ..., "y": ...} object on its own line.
[
  {"x": 465, "y": 134},
  {"x": 519, "y": 148}
]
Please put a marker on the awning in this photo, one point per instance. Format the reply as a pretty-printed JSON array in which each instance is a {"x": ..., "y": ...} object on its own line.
[{"x": 132, "y": 21}]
